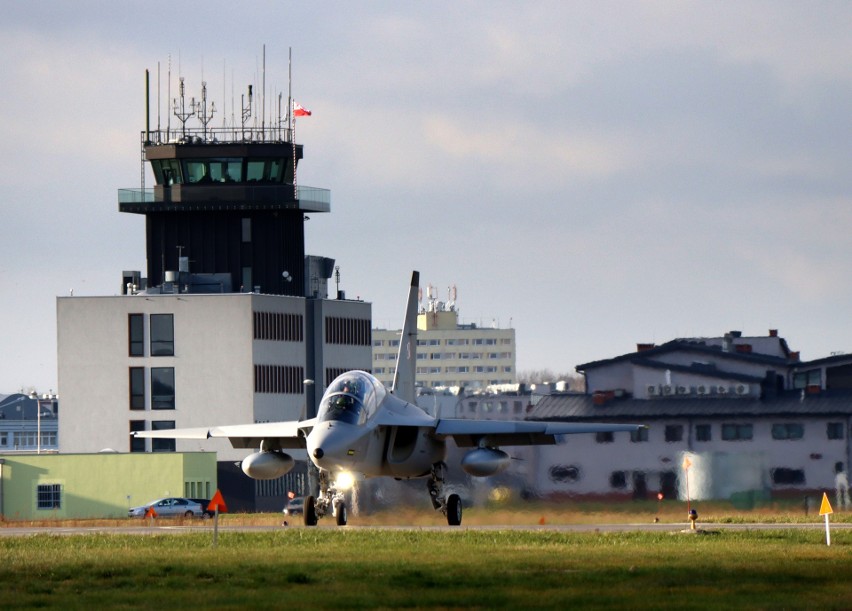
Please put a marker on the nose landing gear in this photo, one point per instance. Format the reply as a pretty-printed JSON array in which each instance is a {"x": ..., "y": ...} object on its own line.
[
  {"x": 450, "y": 506},
  {"x": 329, "y": 500}
]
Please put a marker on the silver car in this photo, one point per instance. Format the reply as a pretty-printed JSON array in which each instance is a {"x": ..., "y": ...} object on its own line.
[{"x": 168, "y": 508}]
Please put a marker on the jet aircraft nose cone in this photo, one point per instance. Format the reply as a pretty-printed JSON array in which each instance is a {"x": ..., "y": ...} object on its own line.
[{"x": 318, "y": 453}]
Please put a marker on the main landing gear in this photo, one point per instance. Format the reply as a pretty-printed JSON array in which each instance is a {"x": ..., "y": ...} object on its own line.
[
  {"x": 450, "y": 506},
  {"x": 329, "y": 500}
]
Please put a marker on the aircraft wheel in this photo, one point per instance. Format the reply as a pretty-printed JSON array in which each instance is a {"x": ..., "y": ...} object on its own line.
[
  {"x": 310, "y": 511},
  {"x": 341, "y": 514},
  {"x": 454, "y": 510}
]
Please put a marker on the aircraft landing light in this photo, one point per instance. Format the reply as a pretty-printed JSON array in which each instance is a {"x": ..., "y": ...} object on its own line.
[{"x": 345, "y": 480}]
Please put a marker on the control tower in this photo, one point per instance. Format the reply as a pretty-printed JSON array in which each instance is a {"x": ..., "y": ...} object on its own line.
[{"x": 226, "y": 213}]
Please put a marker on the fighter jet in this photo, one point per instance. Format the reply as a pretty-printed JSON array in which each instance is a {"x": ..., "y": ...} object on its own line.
[{"x": 364, "y": 429}]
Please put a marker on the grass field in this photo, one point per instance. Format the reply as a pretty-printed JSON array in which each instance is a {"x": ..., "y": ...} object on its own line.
[{"x": 365, "y": 568}]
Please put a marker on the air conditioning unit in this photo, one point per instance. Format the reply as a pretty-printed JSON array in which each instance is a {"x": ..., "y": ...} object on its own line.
[
  {"x": 722, "y": 390},
  {"x": 682, "y": 390},
  {"x": 742, "y": 389},
  {"x": 652, "y": 389},
  {"x": 667, "y": 389},
  {"x": 702, "y": 390}
]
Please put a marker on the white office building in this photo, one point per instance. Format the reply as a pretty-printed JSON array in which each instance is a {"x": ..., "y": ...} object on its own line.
[
  {"x": 450, "y": 353},
  {"x": 143, "y": 362}
]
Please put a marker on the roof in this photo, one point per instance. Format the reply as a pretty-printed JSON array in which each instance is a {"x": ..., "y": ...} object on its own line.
[
  {"x": 21, "y": 407},
  {"x": 682, "y": 345},
  {"x": 698, "y": 369},
  {"x": 790, "y": 404}
]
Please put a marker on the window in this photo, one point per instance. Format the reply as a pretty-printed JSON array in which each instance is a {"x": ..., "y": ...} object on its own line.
[
  {"x": 279, "y": 379},
  {"x": 348, "y": 331},
  {"x": 137, "y": 444},
  {"x": 639, "y": 436},
  {"x": 703, "y": 432},
  {"x": 136, "y": 334},
  {"x": 834, "y": 430},
  {"x": 737, "y": 432},
  {"x": 803, "y": 379},
  {"x": 785, "y": 476},
  {"x": 166, "y": 171},
  {"x": 162, "y": 335},
  {"x": 564, "y": 473},
  {"x": 264, "y": 170},
  {"x": 618, "y": 479},
  {"x": 674, "y": 432},
  {"x": 246, "y": 230},
  {"x": 49, "y": 496},
  {"x": 228, "y": 169},
  {"x": 605, "y": 437},
  {"x": 279, "y": 326},
  {"x": 162, "y": 388},
  {"x": 788, "y": 430},
  {"x": 137, "y": 388},
  {"x": 162, "y": 445}
]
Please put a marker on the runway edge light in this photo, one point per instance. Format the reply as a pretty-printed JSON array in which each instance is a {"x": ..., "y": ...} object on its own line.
[{"x": 826, "y": 510}]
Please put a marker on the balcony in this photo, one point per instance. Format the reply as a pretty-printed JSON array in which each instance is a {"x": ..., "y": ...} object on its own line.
[{"x": 220, "y": 197}]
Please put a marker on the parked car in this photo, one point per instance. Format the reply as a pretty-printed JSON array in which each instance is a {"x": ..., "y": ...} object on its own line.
[
  {"x": 204, "y": 504},
  {"x": 295, "y": 507},
  {"x": 168, "y": 508}
]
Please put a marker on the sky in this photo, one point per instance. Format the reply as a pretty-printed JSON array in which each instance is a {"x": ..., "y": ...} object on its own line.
[{"x": 593, "y": 174}]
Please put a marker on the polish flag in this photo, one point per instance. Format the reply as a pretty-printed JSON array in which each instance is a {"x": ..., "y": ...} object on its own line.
[{"x": 298, "y": 111}]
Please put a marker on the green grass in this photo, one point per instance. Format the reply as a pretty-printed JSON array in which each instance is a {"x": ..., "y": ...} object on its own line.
[{"x": 364, "y": 568}]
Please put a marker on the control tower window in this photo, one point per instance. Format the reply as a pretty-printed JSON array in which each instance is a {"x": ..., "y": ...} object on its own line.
[
  {"x": 166, "y": 171},
  {"x": 265, "y": 170},
  {"x": 226, "y": 170},
  {"x": 197, "y": 170}
]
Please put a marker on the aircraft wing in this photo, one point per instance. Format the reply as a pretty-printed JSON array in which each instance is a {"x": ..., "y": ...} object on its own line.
[
  {"x": 469, "y": 433},
  {"x": 275, "y": 435}
]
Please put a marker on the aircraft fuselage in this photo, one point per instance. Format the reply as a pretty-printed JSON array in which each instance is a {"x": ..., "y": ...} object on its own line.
[{"x": 375, "y": 451}]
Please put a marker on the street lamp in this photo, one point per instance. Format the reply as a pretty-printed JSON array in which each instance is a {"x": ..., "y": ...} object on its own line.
[{"x": 34, "y": 395}]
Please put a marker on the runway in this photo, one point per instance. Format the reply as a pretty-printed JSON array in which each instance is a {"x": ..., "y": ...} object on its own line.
[{"x": 207, "y": 526}]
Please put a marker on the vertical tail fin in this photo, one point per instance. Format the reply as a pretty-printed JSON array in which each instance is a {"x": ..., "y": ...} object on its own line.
[{"x": 406, "y": 359}]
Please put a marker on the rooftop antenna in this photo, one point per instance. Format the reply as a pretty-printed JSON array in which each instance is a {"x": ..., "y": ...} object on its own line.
[
  {"x": 169, "y": 95},
  {"x": 278, "y": 122},
  {"x": 246, "y": 110},
  {"x": 225, "y": 94},
  {"x": 181, "y": 112},
  {"x": 263, "y": 95},
  {"x": 201, "y": 109},
  {"x": 158, "y": 100}
]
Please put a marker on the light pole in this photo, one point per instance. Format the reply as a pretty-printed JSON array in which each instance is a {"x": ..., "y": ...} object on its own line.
[{"x": 34, "y": 395}]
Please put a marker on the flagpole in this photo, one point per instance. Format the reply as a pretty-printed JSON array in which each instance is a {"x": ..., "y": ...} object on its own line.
[{"x": 291, "y": 118}]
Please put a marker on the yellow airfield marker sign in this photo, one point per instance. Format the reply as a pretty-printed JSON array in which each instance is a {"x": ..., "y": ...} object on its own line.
[{"x": 826, "y": 510}]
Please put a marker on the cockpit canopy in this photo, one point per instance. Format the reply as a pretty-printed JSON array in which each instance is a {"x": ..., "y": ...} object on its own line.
[{"x": 353, "y": 397}]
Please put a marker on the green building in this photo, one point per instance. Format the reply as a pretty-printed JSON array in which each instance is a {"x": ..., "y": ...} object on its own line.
[{"x": 104, "y": 485}]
